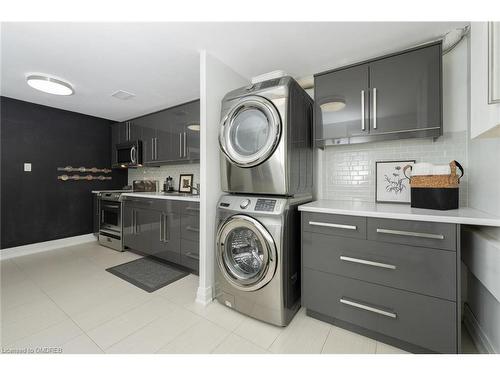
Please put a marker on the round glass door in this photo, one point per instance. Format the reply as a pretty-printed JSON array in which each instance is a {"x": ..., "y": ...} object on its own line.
[
  {"x": 250, "y": 132},
  {"x": 246, "y": 253}
]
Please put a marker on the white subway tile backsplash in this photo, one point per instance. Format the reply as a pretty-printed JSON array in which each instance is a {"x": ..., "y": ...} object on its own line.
[
  {"x": 161, "y": 173},
  {"x": 349, "y": 171}
]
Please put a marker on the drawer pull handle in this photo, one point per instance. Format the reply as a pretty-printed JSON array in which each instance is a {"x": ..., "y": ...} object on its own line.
[
  {"x": 192, "y": 229},
  {"x": 411, "y": 234},
  {"x": 368, "y": 308},
  {"x": 368, "y": 262},
  {"x": 192, "y": 256},
  {"x": 330, "y": 225}
]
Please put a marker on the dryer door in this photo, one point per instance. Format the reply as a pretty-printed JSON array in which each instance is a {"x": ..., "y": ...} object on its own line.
[
  {"x": 246, "y": 253},
  {"x": 250, "y": 132}
]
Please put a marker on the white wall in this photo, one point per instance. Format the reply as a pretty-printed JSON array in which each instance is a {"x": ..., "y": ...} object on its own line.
[{"x": 216, "y": 79}]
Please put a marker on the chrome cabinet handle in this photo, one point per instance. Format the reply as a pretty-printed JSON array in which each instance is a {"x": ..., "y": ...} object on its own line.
[
  {"x": 411, "y": 234},
  {"x": 368, "y": 308},
  {"x": 185, "y": 145},
  {"x": 192, "y": 255},
  {"x": 330, "y": 225},
  {"x": 180, "y": 145},
  {"x": 363, "y": 126},
  {"x": 165, "y": 230},
  {"x": 162, "y": 235},
  {"x": 156, "y": 148},
  {"x": 374, "y": 108},
  {"x": 133, "y": 222},
  {"x": 192, "y": 229},
  {"x": 368, "y": 262},
  {"x": 152, "y": 149}
]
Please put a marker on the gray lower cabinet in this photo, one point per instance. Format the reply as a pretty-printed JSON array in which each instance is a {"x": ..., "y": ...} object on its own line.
[
  {"x": 396, "y": 281},
  {"x": 166, "y": 229}
]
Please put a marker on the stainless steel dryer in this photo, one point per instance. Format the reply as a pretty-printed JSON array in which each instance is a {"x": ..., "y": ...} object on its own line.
[
  {"x": 257, "y": 268},
  {"x": 266, "y": 139}
]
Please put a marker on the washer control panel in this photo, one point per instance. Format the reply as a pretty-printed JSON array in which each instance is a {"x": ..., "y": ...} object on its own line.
[{"x": 266, "y": 205}]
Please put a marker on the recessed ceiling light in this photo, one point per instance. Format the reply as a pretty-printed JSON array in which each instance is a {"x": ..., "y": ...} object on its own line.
[
  {"x": 194, "y": 127},
  {"x": 50, "y": 85}
]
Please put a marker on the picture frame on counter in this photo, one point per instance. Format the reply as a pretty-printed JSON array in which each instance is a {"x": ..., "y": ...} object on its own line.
[
  {"x": 186, "y": 183},
  {"x": 391, "y": 185}
]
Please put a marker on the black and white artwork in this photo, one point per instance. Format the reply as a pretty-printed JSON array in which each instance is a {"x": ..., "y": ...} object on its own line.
[{"x": 391, "y": 184}]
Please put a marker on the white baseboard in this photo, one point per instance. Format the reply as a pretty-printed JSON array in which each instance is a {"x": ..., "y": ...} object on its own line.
[
  {"x": 18, "y": 251},
  {"x": 204, "y": 295},
  {"x": 481, "y": 341}
]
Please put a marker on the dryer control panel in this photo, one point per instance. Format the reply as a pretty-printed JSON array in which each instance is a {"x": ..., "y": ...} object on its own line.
[{"x": 266, "y": 205}]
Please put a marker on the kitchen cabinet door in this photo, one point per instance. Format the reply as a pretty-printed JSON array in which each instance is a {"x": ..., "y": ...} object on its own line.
[
  {"x": 341, "y": 103},
  {"x": 148, "y": 145},
  {"x": 115, "y": 139},
  {"x": 138, "y": 228},
  {"x": 406, "y": 92},
  {"x": 166, "y": 236}
]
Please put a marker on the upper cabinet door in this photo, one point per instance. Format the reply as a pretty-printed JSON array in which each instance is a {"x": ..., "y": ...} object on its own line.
[
  {"x": 341, "y": 103},
  {"x": 192, "y": 131},
  {"x": 405, "y": 92}
]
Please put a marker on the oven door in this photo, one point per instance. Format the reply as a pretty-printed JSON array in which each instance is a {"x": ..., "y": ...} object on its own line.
[{"x": 111, "y": 217}]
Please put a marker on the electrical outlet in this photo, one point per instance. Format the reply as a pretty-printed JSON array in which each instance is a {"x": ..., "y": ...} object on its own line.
[{"x": 27, "y": 167}]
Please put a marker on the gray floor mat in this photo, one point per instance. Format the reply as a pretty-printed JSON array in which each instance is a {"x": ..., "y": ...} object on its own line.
[{"x": 148, "y": 273}]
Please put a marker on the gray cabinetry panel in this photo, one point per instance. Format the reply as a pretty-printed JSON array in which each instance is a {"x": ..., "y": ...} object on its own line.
[
  {"x": 417, "y": 269},
  {"x": 166, "y": 237},
  {"x": 350, "y": 87},
  {"x": 424, "y": 321},
  {"x": 415, "y": 233},
  {"x": 190, "y": 227},
  {"x": 340, "y": 225},
  {"x": 190, "y": 254},
  {"x": 408, "y": 91}
]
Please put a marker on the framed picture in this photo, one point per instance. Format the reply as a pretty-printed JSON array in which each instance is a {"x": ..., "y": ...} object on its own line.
[
  {"x": 391, "y": 185},
  {"x": 186, "y": 183}
]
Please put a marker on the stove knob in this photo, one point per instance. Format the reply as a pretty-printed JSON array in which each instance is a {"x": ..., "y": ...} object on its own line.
[{"x": 244, "y": 203}]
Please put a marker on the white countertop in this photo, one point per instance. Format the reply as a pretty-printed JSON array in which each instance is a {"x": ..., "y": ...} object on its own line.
[
  {"x": 463, "y": 215},
  {"x": 159, "y": 195}
]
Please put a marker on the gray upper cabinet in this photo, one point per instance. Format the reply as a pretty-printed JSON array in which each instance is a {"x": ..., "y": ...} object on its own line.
[
  {"x": 392, "y": 97},
  {"x": 347, "y": 88},
  {"x": 406, "y": 92}
]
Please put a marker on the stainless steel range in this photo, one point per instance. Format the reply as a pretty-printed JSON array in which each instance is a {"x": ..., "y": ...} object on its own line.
[{"x": 109, "y": 213}]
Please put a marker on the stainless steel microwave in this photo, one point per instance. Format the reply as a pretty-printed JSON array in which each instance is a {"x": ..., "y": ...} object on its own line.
[{"x": 128, "y": 154}]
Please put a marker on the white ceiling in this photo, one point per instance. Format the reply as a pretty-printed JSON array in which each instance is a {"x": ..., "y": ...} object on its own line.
[{"x": 159, "y": 62}]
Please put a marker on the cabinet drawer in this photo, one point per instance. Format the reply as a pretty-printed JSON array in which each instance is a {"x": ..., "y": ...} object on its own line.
[
  {"x": 340, "y": 225},
  {"x": 417, "y": 269},
  {"x": 166, "y": 205},
  {"x": 190, "y": 227},
  {"x": 191, "y": 208},
  {"x": 428, "y": 322},
  {"x": 416, "y": 233},
  {"x": 190, "y": 254}
]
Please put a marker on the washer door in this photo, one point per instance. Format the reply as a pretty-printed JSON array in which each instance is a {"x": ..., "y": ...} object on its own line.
[
  {"x": 246, "y": 253},
  {"x": 250, "y": 132}
]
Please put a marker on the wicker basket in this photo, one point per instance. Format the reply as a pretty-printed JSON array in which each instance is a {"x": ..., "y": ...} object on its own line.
[{"x": 437, "y": 192}]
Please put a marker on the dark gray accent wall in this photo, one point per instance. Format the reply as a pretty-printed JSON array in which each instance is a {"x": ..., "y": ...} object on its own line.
[{"x": 36, "y": 206}]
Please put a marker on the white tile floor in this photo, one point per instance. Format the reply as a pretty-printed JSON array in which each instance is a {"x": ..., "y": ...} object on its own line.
[{"x": 65, "y": 298}]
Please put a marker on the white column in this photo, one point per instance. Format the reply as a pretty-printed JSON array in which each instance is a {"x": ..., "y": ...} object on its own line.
[{"x": 216, "y": 79}]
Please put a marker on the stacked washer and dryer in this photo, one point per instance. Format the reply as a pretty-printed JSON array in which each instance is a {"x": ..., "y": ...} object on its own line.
[{"x": 266, "y": 148}]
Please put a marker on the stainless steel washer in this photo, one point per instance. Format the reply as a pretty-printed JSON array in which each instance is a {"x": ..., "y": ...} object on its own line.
[
  {"x": 266, "y": 139},
  {"x": 258, "y": 256}
]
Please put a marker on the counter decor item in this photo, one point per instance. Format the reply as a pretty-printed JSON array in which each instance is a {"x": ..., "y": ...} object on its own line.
[
  {"x": 434, "y": 186},
  {"x": 168, "y": 187},
  {"x": 77, "y": 177},
  {"x": 84, "y": 169},
  {"x": 392, "y": 186},
  {"x": 186, "y": 183}
]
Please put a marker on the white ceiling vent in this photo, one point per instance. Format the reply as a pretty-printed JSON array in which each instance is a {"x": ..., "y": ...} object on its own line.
[{"x": 122, "y": 95}]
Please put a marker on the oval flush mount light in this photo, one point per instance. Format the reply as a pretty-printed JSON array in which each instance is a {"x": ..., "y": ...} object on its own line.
[
  {"x": 194, "y": 127},
  {"x": 48, "y": 84}
]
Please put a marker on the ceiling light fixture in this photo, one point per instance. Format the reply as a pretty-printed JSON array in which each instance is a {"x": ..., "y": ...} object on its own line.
[{"x": 49, "y": 84}]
